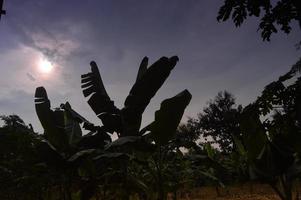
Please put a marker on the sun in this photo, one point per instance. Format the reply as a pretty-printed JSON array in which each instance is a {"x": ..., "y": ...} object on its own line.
[{"x": 45, "y": 66}]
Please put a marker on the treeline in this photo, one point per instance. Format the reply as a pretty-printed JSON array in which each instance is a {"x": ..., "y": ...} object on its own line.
[{"x": 226, "y": 144}]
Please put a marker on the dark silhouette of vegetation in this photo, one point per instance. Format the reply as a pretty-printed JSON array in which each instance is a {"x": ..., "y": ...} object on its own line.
[
  {"x": 17, "y": 160},
  {"x": 2, "y": 12},
  {"x": 218, "y": 121},
  {"x": 273, "y": 15},
  {"x": 272, "y": 146},
  {"x": 260, "y": 142},
  {"x": 225, "y": 144},
  {"x": 267, "y": 147},
  {"x": 93, "y": 160}
]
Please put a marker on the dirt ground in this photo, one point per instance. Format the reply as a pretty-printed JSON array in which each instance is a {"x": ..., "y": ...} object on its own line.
[{"x": 237, "y": 192}]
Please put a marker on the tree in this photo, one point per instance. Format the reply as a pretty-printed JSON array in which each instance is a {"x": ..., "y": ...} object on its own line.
[
  {"x": 17, "y": 159},
  {"x": 219, "y": 121},
  {"x": 273, "y": 16}
]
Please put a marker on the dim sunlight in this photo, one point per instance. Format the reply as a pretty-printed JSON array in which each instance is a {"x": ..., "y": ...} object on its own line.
[{"x": 45, "y": 66}]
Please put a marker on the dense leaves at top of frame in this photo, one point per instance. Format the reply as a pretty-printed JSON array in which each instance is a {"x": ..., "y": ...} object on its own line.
[{"x": 273, "y": 15}]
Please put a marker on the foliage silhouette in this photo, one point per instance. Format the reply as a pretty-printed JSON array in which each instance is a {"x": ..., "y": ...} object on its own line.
[
  {"x": 263, "y": 140},
  {"x": 94, "y": 160},
  {"x": 218, "y": 121},
  {"x": 2, "y": 12},
  {"x": 282, "y": 14},
  {"x": 272, "y": 146},
  {"x": 18, "y": 173},
  {"x": 267, "y": 140}
]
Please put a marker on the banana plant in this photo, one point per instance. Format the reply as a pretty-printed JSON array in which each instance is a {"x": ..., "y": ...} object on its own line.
[
  {"x": 126, "y": 122},
  {"x": 272, "y": 146},
  {"x": 269, "y": 159},
  {"x": 64, "y": 149},
  {"x": 66, "y": 146}
]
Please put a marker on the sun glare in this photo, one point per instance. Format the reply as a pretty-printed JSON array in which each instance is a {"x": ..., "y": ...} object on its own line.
[{"x": 45, "y": 66}]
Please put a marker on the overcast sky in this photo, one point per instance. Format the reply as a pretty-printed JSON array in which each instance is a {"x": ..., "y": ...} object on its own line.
[{"x": 117, "y": 34}]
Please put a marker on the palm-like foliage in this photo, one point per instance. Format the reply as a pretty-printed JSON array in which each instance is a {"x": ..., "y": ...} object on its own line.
[{"x": 93, "y": 162}]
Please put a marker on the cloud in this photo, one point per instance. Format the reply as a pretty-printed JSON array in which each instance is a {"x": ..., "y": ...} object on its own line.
[{"x": 30, "y": 77}]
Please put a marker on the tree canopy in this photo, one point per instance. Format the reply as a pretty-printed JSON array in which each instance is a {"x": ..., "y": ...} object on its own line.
[
  {"x": 273, "y": 16},
  {"x": 218, "y": 121}
]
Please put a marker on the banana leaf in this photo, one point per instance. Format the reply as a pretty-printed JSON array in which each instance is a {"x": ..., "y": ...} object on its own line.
[
  {"x": 49, "y": 154},
  {"x": 61, "y": 126},
  {"x": 72, "y": 127},
  {"x": 99, "y": 100},
  {"x": 148, "y": 82},
  {"x": 96, "y": 139},
  {"x": 52, "y": 121},
  {"x": 128, "y": 144},
  {"x": 273, "y": 161},
  {"x": 81, "y": 154},
  {"x": 168, "y": 118},
  {"x": 254, "y": 134}
]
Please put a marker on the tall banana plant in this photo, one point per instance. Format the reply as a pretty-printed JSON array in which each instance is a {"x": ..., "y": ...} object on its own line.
[
  {"x": 127, "y": 121},
  {"x": 66, "y": 144}
]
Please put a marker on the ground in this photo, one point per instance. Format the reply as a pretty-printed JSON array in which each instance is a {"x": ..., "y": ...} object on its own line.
[{"x": 236, "y": 192}]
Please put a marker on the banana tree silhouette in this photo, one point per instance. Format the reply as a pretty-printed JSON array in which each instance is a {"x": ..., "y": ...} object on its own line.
[
  {"x": 110, "y": 161},
  {"x": 127, "y": 121}
]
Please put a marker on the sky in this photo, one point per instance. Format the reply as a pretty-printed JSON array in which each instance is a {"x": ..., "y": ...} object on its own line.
[{"x": 117, "y": 34}]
